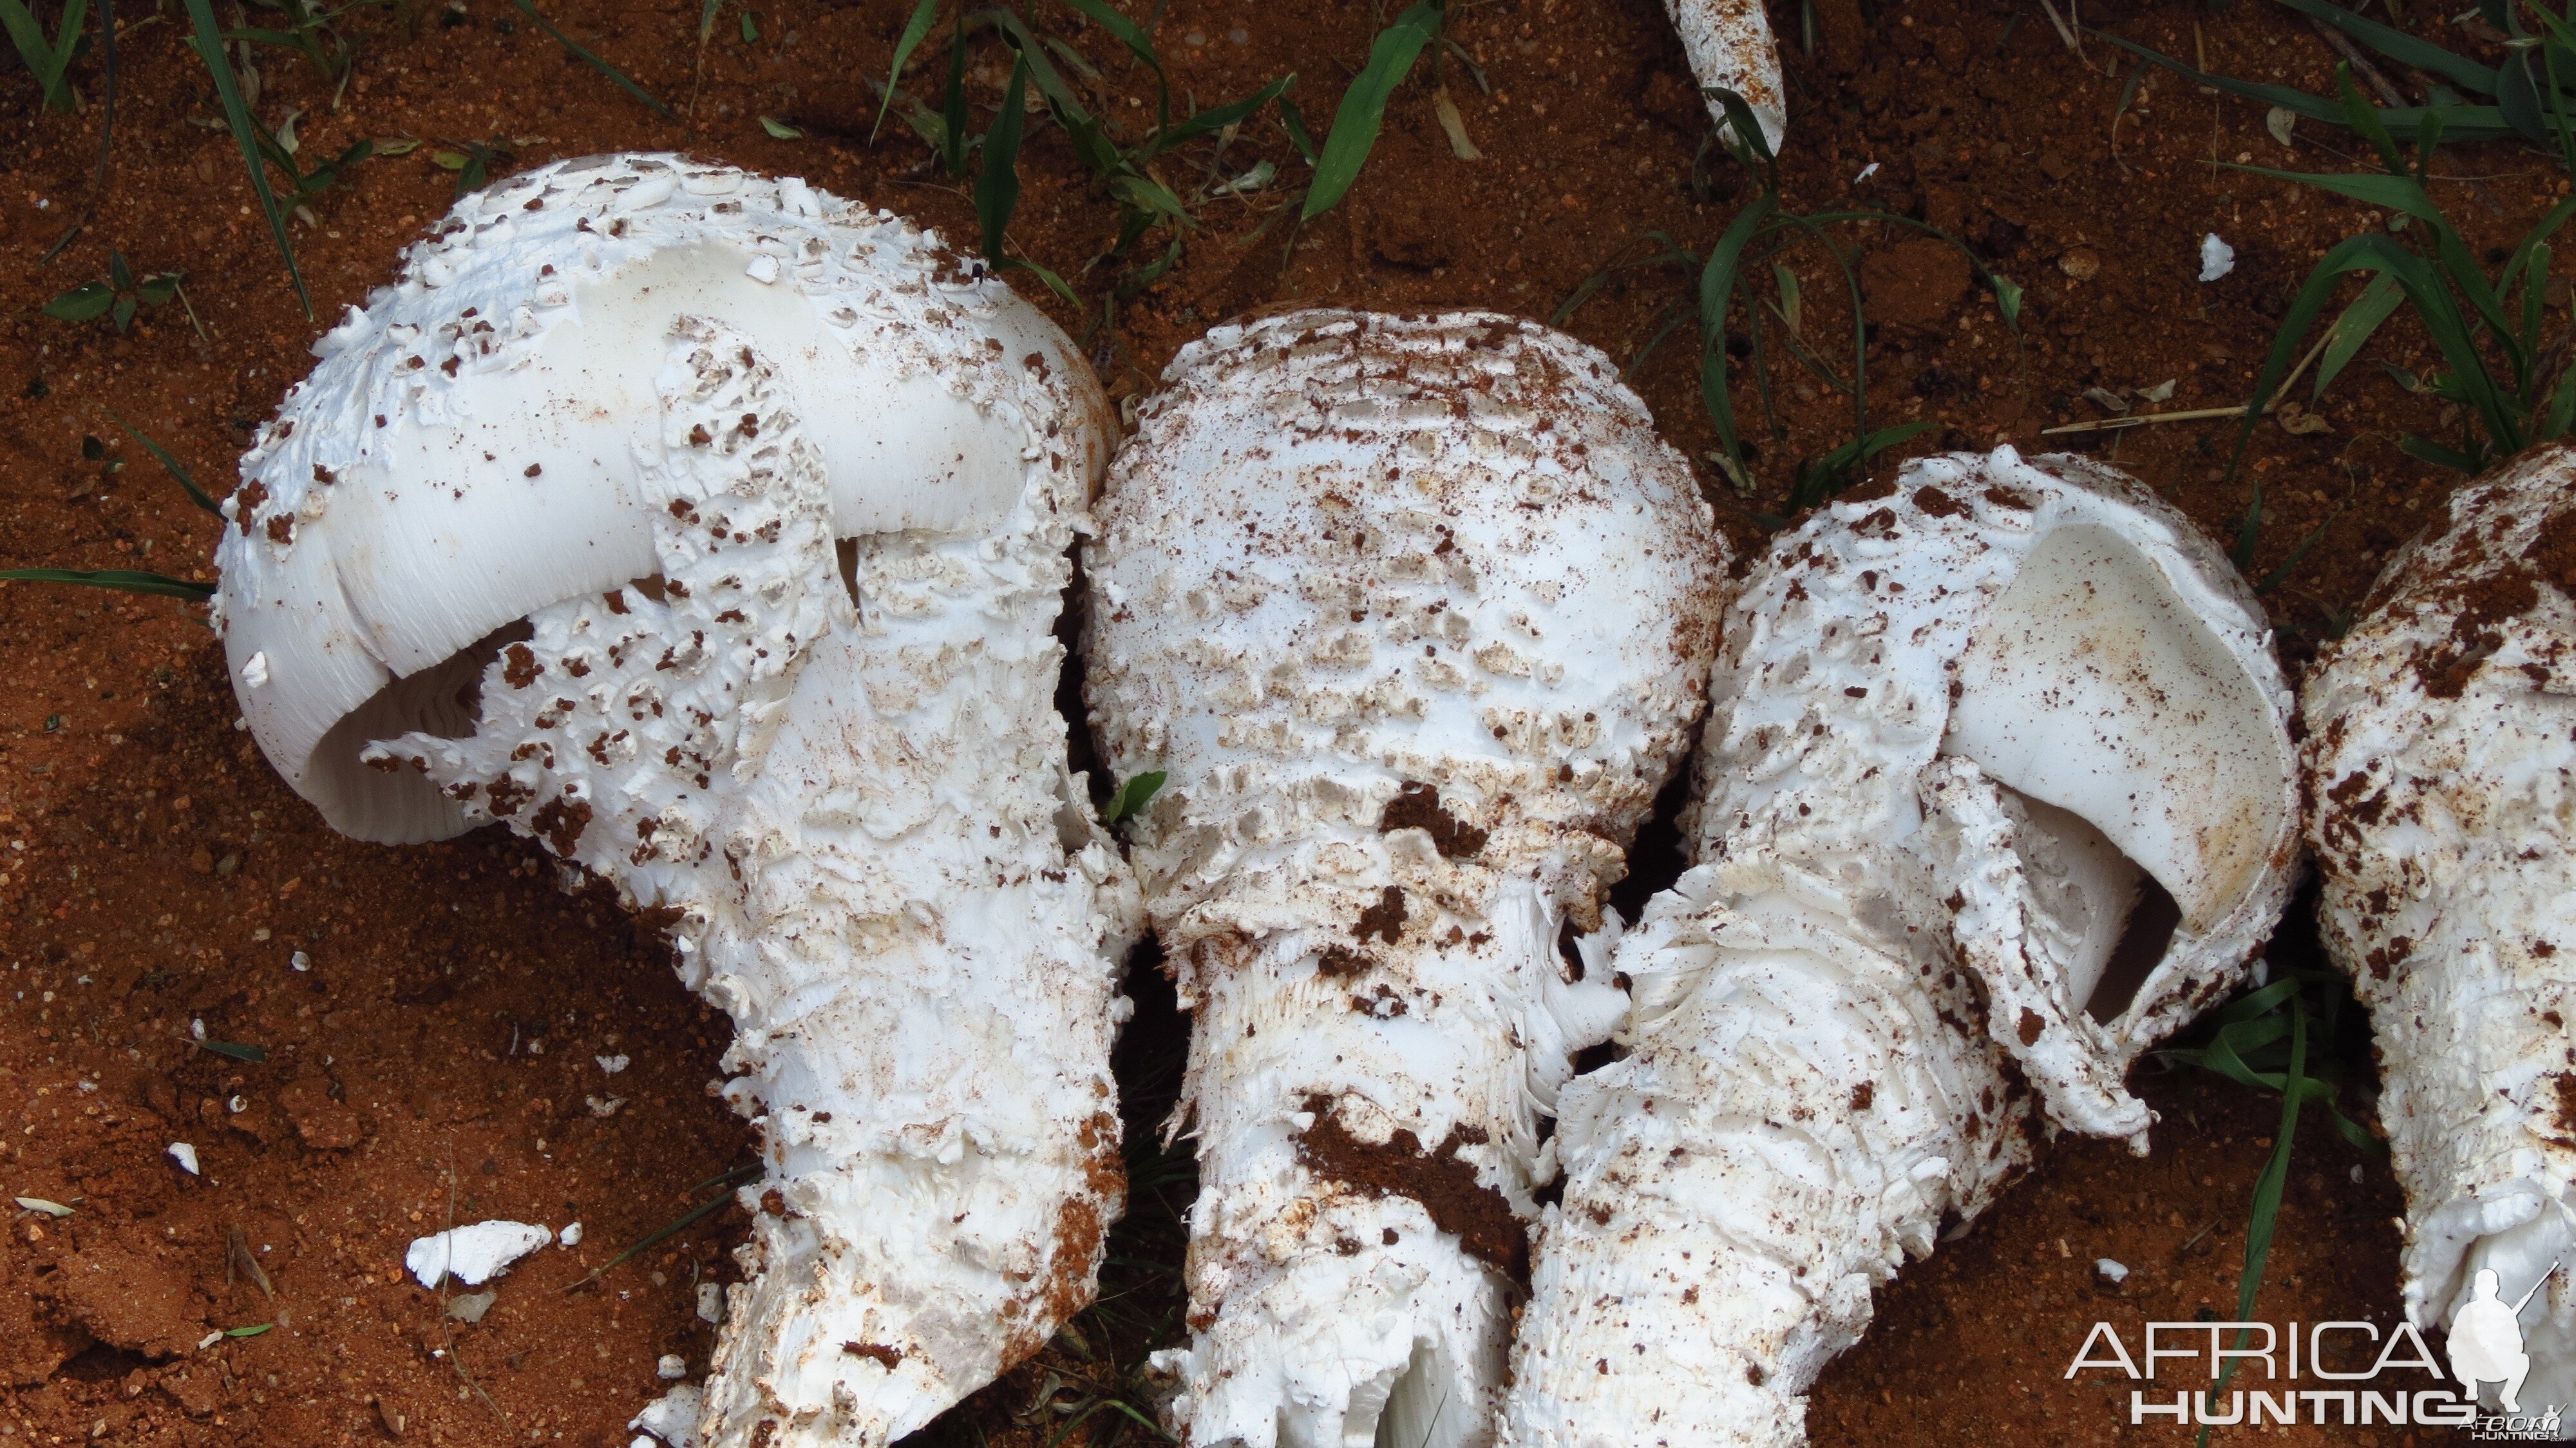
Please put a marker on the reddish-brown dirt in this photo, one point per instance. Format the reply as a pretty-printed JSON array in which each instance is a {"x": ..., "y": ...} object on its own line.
[{"x": 433, "y": 1056}]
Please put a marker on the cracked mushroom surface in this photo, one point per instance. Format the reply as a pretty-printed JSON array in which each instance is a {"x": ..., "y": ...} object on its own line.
[
  {"x": 1416, "y": 612},
  {"x": 711, "y": 530},
  {"x": 1997, "y": 790},
  {"x": 2440, "y": 758}
]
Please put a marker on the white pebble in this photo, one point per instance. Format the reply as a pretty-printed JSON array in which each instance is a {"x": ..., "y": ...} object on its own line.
[
  {"x": 611, "y": 1064},
  {"x": 570, "y": 1236},
  {"x": 2111, "y": 1271},
  {"x": 186, "y": 1156},
  {"x": 300, "y": 961},
  {"x": 2217, "y": 258},
  {"x": 672, "y": 1367},
  {"x": 472, "y": 1255},
  {"x": 710, "y": 1302}
]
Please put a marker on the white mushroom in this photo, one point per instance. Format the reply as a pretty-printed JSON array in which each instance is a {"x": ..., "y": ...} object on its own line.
[
  {"x": 1416, "y": 613},
  {"x": 712, "y": 530},
  {"x": 1729, "y": 44},
  {"x": 1996, "y": 788},
  {"x": 2441, "y": 767}
]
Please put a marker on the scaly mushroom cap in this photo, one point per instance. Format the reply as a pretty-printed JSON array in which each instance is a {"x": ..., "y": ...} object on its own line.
[
  {"x": 2016, "y": 717},
  {"x": 468, "y": 450},
  {"x": 712, "y": 531},
  {"x": 1729, "y": 44},
  {"x": 2441, "y": 748},
  {"x": 1416, "y": 612},
  {"x": 2038, "y": 686}
]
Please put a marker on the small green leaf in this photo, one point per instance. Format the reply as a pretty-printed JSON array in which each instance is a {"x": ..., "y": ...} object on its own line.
[
  {"x": 2007, "y": 298},
  {"x": 450, "y": 160},
  {"x": 707, "y": 19},
  {"x": 39, "y": 1204},
  {"x": 399, "y": 146},
  {"x": 924, "y": 15},
  {"x": 1363, "y": 108},
  {"x": 2354, "y": 327},
  {"x": 1133, "y": 796},
  {"x": 750, "y": 32},
  {"x": 236, "y": 1050},
  {"x": 254, "y": 1330},
  {"x": 82, "y": 303},
  {"x": 780, "y": 130}
]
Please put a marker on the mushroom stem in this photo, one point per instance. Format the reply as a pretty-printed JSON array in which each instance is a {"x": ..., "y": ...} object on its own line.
[
  {"x": 1414, "y": 612},
  {"x": 2438, "y": 768},
  {"x": 1729, "y": 44},
  {"x": 1996, "y": 791}
]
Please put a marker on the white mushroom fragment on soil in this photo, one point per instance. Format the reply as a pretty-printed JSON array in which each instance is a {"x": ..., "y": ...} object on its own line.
[
  {"x": 2441, "y": 768},
  {"x": 1729, "y": 45},
  {"x": 1997, "y": 788},
  {"x": 1417, "y": 615},
  {"x": 711, "y": 530}
]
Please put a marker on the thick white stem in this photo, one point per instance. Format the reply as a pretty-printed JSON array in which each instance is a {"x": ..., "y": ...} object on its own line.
[
  {"x": 1800, "y": 1111},
  {"x": 2442, "y": 764},
  {"x": 1368, "y": 1114}
]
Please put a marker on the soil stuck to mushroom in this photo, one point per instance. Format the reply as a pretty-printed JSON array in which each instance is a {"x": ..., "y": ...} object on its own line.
[{"x": 432, "y": 1017}]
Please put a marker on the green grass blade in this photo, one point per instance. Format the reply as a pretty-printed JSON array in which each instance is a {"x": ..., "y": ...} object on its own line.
[
  {"x": 2290, "y": 565},
  {"x": 46, "y": 60},
  {"x": 1293, "y": 121},
  {"x": 1716, "y": 283},
  {"x": 597, "y": 62},
  {"x": 169, "y": 464},
  {"x": 707, "y": 19},
  {"x": 1138, "y": 44},
  {"x": 915, "y": 30},
  {"x": 123, "y": 580},
  {"x": 952, "y": 106},
  {"x": 2353, "y": 328},
  {"x": 997, "y": 184},
  {"x": 671, "y": 1229},
  {"x": 1133, "y": 796},
  {"x": 1363, "y": 108},
  {"x": 209, "y": 44},
  {"x": 1090, "y": 143},
  {"x": 2401, "y": 47},
  {"x": 1214, "y": 119}
]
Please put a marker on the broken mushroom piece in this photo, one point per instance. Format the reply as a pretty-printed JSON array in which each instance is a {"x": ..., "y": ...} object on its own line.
[
  {"x": 1416, "y": 613},
  {"x": 1729, "y": 45},
  {"x": 711, "y": 530},
  {"x": 2442, "y": 737},
  {"x": 1996, "y": 789}
]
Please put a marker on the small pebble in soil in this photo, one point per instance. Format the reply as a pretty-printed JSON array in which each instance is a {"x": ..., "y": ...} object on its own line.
[
  {"x": 186, "y": 1156},
  {"x": 2112, "y": 1272},
  {"x": 611, "y": 1064},
  {"x": 472, "y": 1254},
  {"x": 570, "y": 1236},
  {"x": 2217, "y": 258},
  {"x": 672, "y": 1367},
  {"x": 471, "y": 1307},
  {"x": 300, "y": 961},
  {"x": 711, "y": 1302}
]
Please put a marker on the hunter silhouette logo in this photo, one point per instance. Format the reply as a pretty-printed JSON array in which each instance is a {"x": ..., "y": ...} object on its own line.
[{"x": 2486, "y": 1339}]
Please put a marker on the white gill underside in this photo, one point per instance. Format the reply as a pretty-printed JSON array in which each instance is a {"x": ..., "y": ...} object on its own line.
[
  {"x": 2442, "y": 755},
  {"x": 858, "y": 823},
  {"x": 1835, "y": 1012}
]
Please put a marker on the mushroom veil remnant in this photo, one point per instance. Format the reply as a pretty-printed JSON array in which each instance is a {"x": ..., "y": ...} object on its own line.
[
  {"x": 711, "y": 530},
  {"x": 1997, "y": 789},
  {"x": 1417, "y": 614},
  {"x": 2442, "y": 736}
]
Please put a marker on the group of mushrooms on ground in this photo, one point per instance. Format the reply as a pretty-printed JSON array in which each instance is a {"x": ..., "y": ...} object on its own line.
[{"x": 714, "y": 531}]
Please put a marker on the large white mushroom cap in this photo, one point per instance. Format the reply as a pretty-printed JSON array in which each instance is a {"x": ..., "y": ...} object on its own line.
[
  {"x": 467, "y": 450},
  {"x": 2441, "y": 766}
]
